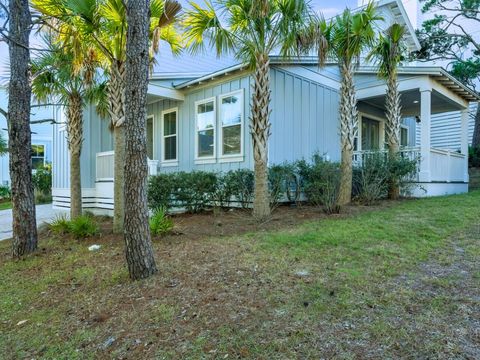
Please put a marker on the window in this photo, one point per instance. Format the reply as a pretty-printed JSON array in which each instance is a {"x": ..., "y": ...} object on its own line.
[
  {"x": 370, "y": 134},
  {"x": 38, "y": 156},
  {"x": 169, "y": 135},
  {"x": 404, "y": 136},
  {"x": 205, "y": 136},
  {"x": 231, "y": 121},
  {"x": 150, "y": 137}
]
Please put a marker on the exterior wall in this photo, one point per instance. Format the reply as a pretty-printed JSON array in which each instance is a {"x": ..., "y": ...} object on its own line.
[
  {"x": 41, "y": 133},
  {"x": 446, "y": 127},
  {"x": 187, "y": 126},
  {"x": 304, "y": 117}
]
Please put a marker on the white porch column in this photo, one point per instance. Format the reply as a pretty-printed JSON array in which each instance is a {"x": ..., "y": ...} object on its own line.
[
  {"x": 464, "y": 141},
  {"x": 425, "y": 120}
]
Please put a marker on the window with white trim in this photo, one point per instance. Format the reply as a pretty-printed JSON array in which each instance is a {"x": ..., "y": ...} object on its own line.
[
  {"x": 205, "y": 128},
  {"x": 38, "y": 156},
  {"x": 170, "y": 135},
  {"x": 231, "y": 124}
]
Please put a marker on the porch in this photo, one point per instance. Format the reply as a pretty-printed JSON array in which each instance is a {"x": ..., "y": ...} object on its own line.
[{"x": 425, "y": 92}]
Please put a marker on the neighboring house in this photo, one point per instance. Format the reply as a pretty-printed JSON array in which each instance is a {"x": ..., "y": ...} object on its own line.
[
  {"x": 198, "y": 119},
  {"x": 42, "y": 143}
]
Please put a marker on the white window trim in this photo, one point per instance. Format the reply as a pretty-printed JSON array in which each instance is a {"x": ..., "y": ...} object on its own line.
[
  {"x": 172, "y": 162},
  {"x": 239, "y": 156},
  {"x": 153, "y": 135},
  {"x": 403, "y": 126},
  {"x": 44, "y": 152},
  {"x": 206, "y": 159}
]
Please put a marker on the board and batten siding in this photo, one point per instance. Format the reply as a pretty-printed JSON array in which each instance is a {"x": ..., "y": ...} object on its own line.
[
  {"x": 446, "y": 128},
  {"x": 187, "y": 127},
  {"x": 304, "y": 119}
]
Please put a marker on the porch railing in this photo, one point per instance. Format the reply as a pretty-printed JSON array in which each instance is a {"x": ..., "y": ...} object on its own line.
[
  {"x": 445, "y": 165},
  {"x": 105, "y": 166},
  {"x": 410, "y": 153}
]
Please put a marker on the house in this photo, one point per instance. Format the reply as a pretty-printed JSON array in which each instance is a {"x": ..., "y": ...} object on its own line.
[
  {"x": 42, "y": 142},
  {"x": 198, "y": 113}
]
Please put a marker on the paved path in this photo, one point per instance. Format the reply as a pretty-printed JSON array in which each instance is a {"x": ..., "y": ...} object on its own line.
[{"x": 45, "y": 213}]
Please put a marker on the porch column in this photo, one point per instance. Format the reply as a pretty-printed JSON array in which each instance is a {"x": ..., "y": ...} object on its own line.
[
  {"x": 425, "y": 120},
  {"x": 464, "y": 141}
]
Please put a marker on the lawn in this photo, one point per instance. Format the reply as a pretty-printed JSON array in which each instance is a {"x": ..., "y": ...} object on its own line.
[
  {"x": 5, "y": 205},
  {"x": 400, "y": 280}
]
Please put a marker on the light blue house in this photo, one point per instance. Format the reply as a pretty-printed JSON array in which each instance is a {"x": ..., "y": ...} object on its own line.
[
  {"x": 42, "y": 141},
  {"x": 199, "y": 120}
]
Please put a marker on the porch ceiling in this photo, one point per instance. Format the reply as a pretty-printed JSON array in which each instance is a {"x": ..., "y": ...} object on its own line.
[{"x": 410, "y": 101}]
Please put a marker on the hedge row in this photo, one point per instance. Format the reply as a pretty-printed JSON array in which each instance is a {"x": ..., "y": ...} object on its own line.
[{"x": 316, "y": 181}]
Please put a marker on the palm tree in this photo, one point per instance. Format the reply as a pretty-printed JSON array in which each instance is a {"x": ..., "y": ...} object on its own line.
[
  {"x": 56, "y": 80},
  {"x": 345, "y": 38},
  {"x": 252, "y": 30},
  {"x": 102, "y": 25},
  {"x": 388, "y": 52}
]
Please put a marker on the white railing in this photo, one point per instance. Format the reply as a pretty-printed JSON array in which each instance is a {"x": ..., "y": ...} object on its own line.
[
  {"x": 410, "y": 153},
  {"x": 105, "y": 166},
  {"x": 446, "y": 165}
]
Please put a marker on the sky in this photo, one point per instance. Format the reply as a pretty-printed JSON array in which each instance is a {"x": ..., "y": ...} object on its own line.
[{"x": 328, "y": 7}]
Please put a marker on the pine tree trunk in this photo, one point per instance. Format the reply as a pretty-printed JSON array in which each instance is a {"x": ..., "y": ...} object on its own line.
[
  {"x": 260, "y": 130},
  {"x": 75, "y": 141},
  {"x": 116, "y": 100},
  {"x": 476, "y": 129},
  {"x": 138, "y": 244},
  {"x": 19, "y": 134},
  {"x": 348, "y": 132},
  {"x": 394, "y": 118}
]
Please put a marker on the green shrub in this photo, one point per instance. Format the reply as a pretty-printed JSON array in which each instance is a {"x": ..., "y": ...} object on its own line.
[
  {"x": 5, "y": 192},
  {"x": 195, "y": 190},
  {"x": 320, "y": 181},
  {"x": 82, "y": 227},
  {"x": 372, "y": 179},
  {"x": 160, "y": 191},
  {"x": 42, "y": 179},
  {"x": 241, "y": 185},
  {"x": 160, "y": 223},
  {"x": 283, "y": 182},
  {"x": 60, "y": 225},
  {"x": 474, "y": 156}
]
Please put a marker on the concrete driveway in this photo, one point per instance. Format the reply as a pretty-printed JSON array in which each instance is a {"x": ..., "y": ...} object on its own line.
[{"x": 45, "y": 213}]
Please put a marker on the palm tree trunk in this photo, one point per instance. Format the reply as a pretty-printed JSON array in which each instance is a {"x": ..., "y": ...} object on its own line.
[
  {"x": 138, "y": 244},
  {"x": 19, "y": 133},
  {"x": 260, "y": 130},
  {"x": 476, "y": 129},
  {"x": 394, "y": 117},
  {"x": 75, "y": 140},
  {"x": 348, "y": 132},
  {"x": 116, "y": 99}
]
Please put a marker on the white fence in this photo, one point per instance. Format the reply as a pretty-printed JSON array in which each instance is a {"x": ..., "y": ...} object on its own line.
[{"x": 105, "y": 166}]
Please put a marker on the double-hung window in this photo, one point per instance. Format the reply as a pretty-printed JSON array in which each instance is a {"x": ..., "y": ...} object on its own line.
[
  {"x": 170, "y": 135},
  {"x": 205, "y": 129},
  {"x": 38, "y": 156},
  {"x": 231, "y": 124},
  {"x": 403, "y": 136}
]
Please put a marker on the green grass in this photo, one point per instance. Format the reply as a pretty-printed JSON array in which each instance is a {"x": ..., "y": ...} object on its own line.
[
  {"x": 5, "y": 205},
  {"x": 326, "y": 288}
]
